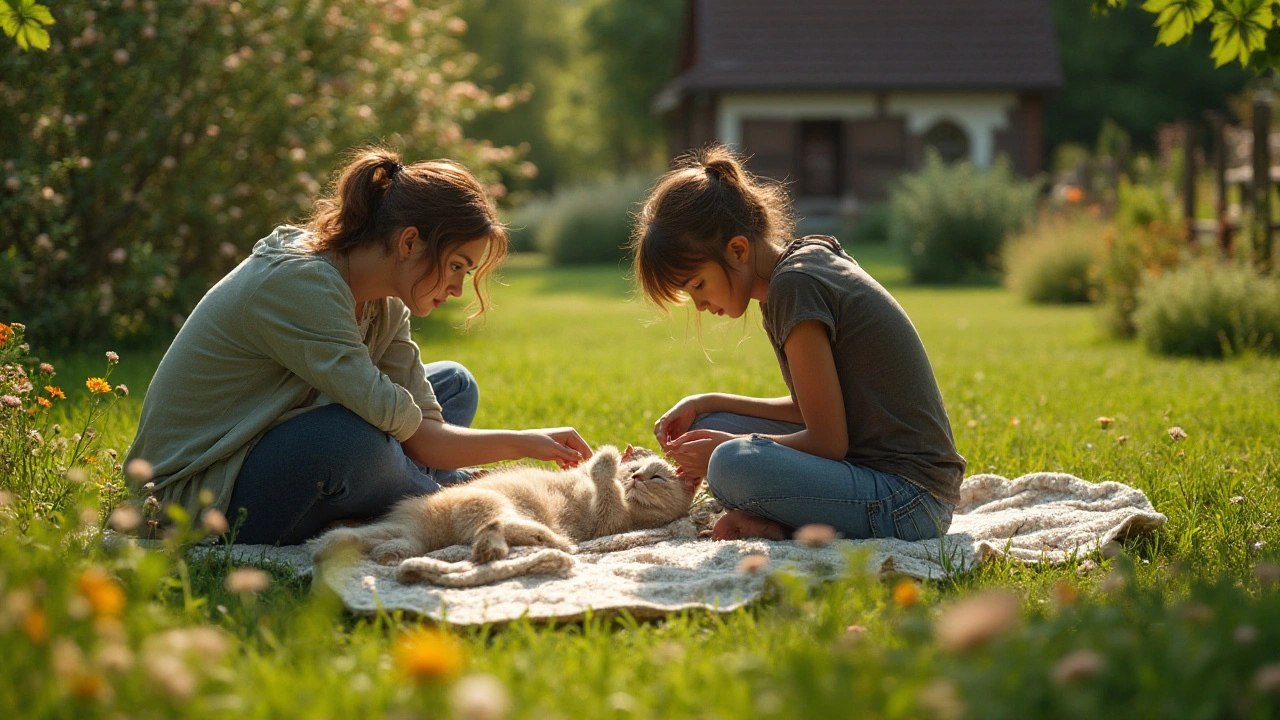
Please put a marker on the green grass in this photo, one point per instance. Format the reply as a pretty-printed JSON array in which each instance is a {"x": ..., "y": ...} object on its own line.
[{"x": 573, "y": 347}]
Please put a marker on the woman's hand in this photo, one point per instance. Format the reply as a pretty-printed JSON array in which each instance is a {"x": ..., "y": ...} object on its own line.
[
  {"x": 563, "y": 446},
  {"x": 692, "y": 451},
  {"x": 675, "y": 422}
]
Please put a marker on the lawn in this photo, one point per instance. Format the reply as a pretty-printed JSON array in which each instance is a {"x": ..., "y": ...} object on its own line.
[{"x": 1178, "y": 624}]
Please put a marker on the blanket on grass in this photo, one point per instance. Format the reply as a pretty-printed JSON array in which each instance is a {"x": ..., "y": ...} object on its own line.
[{"x": 1037, "y": 518}]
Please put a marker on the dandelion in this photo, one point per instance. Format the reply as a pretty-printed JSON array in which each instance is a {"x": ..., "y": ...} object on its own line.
[
  {"x": 906, "y": 593},
  {"x": 214, "y": 522},
  {"x": 103, "y": 593},
  {"x": 122, "y": 390},
  {"x": 140, "y": 469},
  {"x": 1177, "y": 433},
  {"x": 480, "y": 697},
  {"x": 977, "y": 619},
  {"x": 1105, "y": 422},
  {"x": 125, "y": 518},
  {"x": 112, "y": 358},
  {"x": 46, "y": 368},
  {"x": 1076, "y": 666},
  {"x": 815, "y": 535},
  {"x": 247, "y": 580},
  {"x": 426, "y": 655},
  {"x": 97, "y": 385},
  {"x": 752, "y": 564}
]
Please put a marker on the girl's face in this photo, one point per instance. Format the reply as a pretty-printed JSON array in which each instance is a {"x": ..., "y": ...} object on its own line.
[
  {"x": 720, "y": 291},
  {"x": 422, "y": 294}
]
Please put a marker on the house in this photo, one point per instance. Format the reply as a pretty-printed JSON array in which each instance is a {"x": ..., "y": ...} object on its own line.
[{"x": 841, "y": 96}]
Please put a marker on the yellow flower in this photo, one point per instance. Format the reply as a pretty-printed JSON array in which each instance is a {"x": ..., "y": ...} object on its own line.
[
  {"x": 98, "y": 385},
  {"x": 55, "y": 392},
  {"x": 104, "y": 595},
  {"x": 426, "y": 655},
  {"x": 906, "y": 593}
]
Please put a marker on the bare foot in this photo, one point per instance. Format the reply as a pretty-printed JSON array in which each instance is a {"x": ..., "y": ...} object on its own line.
[{"x": 738, "y": 525}]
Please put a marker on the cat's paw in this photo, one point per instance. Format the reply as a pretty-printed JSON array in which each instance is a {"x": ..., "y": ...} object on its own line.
[
  {"x": 489, "y": 547},
  {"x": 547, "y": 538},
  {"x": 393, "y": 551}
]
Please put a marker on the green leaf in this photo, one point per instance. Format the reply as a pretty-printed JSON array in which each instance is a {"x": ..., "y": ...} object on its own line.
[
  {"x": 25, "y": 24},
  {"x": 1240, "y": 28},
  {"x": 1177, "y": 18},
  {"x": 39, "y": 13},
  {"x": 9, "y": 20},
  {"x": 33, "y": 36},
  {"x": 1103, "y": 7}
]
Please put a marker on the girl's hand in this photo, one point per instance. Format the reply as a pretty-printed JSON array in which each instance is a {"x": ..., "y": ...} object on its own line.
[
  {"x": 563, "y": 446},
  {"x": 675, "y": 422},
  {"x": 692, "y": 451}
]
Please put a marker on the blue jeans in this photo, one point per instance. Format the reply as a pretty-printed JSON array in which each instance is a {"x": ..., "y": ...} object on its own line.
[
  {"x": 330, "y": 464},
  {"x": 761, "y": 477}
]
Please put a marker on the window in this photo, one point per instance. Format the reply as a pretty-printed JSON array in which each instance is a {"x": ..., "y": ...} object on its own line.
[{"x": 951, "y": 142}]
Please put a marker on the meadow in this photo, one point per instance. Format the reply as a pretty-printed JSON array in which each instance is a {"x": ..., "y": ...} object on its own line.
[{"x": 1184, "y": 623}]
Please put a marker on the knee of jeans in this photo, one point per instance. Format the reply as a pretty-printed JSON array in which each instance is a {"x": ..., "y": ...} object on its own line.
[
  {"x": 461, "y": 384},
  {"x": 731, "y": 471},
  {"x": 710, "y": 421}
]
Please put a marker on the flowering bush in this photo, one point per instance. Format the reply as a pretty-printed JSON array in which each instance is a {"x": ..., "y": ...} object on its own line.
[
  {"x": 1209, "y": 310},
  {"x": 1059, "y": 262},
  {"x": 155, "y": 141},
  {"x": 46, "y": 471}
]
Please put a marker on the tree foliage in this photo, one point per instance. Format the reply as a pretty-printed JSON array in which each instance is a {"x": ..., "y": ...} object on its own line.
[{"x": 1243, "y": 31}]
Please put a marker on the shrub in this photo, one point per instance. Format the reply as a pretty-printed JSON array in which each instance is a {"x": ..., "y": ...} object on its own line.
[
  {"x": 1059, "y": 262},
  {"x": 591, "y": 223},
  {"x": 525, "y": 222},
  {"x": 1145, "y": 243},
  {"x": 951, "y": 221},
  {"x": 1209, "y": 310},
  {"x": 871, "y": 225},
  {"x": 155, "y": 141}
]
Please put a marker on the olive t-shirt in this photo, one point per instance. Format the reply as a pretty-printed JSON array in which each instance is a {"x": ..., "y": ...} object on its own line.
[{"x": 893, "y": 409}]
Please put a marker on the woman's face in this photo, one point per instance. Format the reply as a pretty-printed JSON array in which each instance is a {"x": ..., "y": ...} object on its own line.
[{"x": 422, "y": 294}]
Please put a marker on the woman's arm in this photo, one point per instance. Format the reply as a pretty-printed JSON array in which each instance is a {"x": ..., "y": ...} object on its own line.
[
  {"x": 449, "y": 447},
  {"x": 819, "y": 400}
]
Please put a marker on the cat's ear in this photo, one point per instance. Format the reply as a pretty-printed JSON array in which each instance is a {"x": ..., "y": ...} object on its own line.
[{"x": 626, "y": 454}]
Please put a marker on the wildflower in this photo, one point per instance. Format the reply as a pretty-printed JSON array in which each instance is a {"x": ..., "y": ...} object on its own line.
[
  {"x": 34, "y": 437},
  {"x": 970, "y": 622},
  {"x": 151, "y": 504},
  {"x": 214, "y": 522},
  {"x": 22, "y": 387},
  {"x": 1085, "y": 566},
  {"x": 97, "y": 385},
  {"x": 1245, "y": 634},
  {"x": 1237, "y": 500},
  {"x": 35, "y": 625},
  {"x": 1177, "y": 433},
  {"x": 250, "y": 580},
  {"x": 753, "y": 564},
  {"x": 140, "y": 469},
  {"x": 369, "y": 582},
  {"x": 10, "y": 401},
  {"x": 939, "y": 697},
  {"x": 103, "y": 593},
  {"x": 426, "y": 655},
  {"x": 1267, "y": 679},
  {"x": 480, "y": 697},
  {"x": 46, "y": 368},
  {"x": 1073, "y": 194},
  {"x": 170, "y": 674},
  {"x": 815, "y": 535},
  {"x": 5, "y": 333},
  {"x": 1105, "y": 422},
  {"x": 112, "y": 358},
  {"x": 1267, "y": 572},
  {"x": 1075, "y": 666},
  {"x": 1122, "y": 439},
  {"x": 43, "y": 402},
  {"x": 1014, "y": 422},
  {"x": 122, "y": 390},
  {"x": 1064, "y": 593},
  {"x": 906, "y": 593}
]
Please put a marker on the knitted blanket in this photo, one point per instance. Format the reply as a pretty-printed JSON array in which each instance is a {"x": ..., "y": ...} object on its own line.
[{"x": 1037, "y": 518}]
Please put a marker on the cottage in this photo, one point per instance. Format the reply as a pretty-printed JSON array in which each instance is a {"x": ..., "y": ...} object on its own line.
[{"x": 841, "y": 96}]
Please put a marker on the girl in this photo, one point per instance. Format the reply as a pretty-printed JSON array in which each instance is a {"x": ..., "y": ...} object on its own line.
[
  {"x": 863, "y": 442},
  {"x": 295, "y": 390}
]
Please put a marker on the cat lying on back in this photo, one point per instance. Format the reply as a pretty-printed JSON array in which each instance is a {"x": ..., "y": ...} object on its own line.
[{"x": 520, "y": 505}]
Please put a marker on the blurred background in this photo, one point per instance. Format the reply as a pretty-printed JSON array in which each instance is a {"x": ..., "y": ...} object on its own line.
[{"x": 155, "y": 141}]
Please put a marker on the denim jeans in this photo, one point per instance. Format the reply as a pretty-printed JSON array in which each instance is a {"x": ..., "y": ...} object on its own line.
[
  {"x": 330, "y": 464},
  {"x": 761, "y": 477}
]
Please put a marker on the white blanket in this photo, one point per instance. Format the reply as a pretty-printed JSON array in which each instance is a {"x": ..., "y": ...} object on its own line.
[{"x": 1037, "y": 518}]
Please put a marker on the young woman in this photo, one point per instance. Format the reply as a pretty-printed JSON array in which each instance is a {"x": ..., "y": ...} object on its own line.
[
  {"x": 862, "y": 442},
  {"x": 295, "y": 392}
]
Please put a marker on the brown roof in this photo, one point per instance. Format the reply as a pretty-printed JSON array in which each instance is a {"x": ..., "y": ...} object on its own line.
[{"x": 868, "y": 44}]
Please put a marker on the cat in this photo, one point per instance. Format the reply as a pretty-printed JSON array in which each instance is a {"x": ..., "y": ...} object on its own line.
[{"x": 521, "y": 505}]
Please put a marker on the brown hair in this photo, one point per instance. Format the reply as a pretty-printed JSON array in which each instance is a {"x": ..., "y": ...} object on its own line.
[
  {"x": 692, "y": 213},
  {"x": 376, "y": 197}
]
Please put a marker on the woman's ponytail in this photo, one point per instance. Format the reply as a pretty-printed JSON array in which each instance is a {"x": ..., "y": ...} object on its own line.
[{"x": 345, "y": 218}]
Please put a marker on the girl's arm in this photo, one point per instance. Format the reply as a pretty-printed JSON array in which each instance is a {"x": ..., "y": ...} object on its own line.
[
  {"x": 448, "y": 447},
  {"x": 818, "y": 397},
  {"x": 677, "y": 421}
]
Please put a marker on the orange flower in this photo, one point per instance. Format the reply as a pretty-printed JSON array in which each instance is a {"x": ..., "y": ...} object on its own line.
[
  {"x": 906, "y": 593},
  {"x": 44, "y": 402},
  {"x": 35, "y": 625},
  {"x": 55, "y": 392},
  {"x": 1074, "y": 194},
  {"x": 104, "y": 595},
  {"x": 97, "y": 385},
  {"x": 426, "y": 655},
  {"x": 5, "y": 333}
]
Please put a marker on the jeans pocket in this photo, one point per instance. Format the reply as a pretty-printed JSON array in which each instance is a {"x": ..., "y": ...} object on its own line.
[{"x": 919, "y": 520}]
